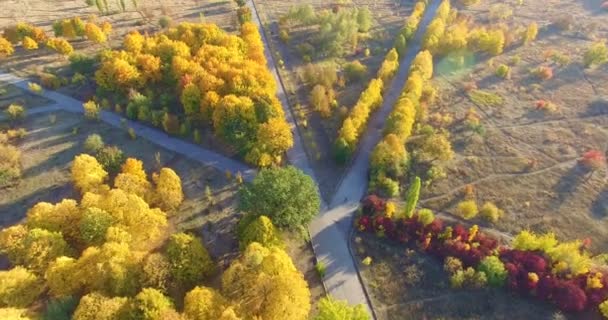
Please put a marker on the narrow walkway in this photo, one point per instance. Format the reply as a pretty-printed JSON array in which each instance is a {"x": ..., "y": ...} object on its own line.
[
  {"x": 192, "y": 151},
  {"x": 330, "y": 231}
]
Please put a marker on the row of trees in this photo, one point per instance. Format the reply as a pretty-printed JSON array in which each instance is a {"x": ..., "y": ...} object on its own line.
[
  {"x": 221, "y": 81},
  {"x": 370, "y": 99},
  {"x": 32, "y": 37}
]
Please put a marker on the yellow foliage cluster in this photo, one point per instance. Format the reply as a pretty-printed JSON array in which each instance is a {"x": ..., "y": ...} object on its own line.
[
  {"x": 29, "y": 43},
  {"x": 221, "y": 80},
  {"x": 19, "y": 31},
  {"x": 95, "y": 33},
  {"x": 389, "y": 66},
  {"x": 62, "y": 46},
  {"x": 568, "y": 258},
  {"x": 356, "y": 121},
  {"x": 6, "y": 48}
]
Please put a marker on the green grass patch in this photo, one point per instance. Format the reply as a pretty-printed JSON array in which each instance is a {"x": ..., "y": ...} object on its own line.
[{"x": 485, "y": 98}]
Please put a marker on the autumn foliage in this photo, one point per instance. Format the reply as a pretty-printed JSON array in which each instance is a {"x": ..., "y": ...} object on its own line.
[{"x": 219, "y": 81}]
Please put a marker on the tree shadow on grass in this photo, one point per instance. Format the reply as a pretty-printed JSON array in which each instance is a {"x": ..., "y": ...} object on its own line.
[
  {"x": 569, "y": 182},
  {"x": 599, "y": 207}
]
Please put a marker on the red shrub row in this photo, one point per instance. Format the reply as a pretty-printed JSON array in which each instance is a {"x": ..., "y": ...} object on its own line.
[{"x": 529, "y": 272}]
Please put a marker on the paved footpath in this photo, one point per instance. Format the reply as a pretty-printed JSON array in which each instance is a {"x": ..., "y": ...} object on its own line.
[
  {"x": 330, "y": 231},
  {"x": 192, "y": 151}
]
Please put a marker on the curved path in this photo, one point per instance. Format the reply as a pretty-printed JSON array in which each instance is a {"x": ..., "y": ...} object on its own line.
[{"x": 192, "y": 151}]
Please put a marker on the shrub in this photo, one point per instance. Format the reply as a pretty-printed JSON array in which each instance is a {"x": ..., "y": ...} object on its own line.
[
  {"x": 320, "y": 268},
  {"x": 484, "y": 98},
  {"x": 111, "y": 158},
  {"x": 503, "y": 71},
  {"x": 320, "y": 100},
  {"x": 190, "y": 262},
  {"x": 531, "y": 33},
  {"x": 468, "y": 278},
  {"x": 6, "y": 48},
  {"x": 164, "y": 22},
  {"x": 452, "y": 265},
  {"x": 544, "y": 73},
  {"x": 91, "y": 110},
  {"x": 15, "y": 112},
  {"x": 94, "y": 33},
  {"x": 82, "y": 63},
  {"x": 61, "y": 46},
  {"x": 529, "y": 241},
  {"x": 355, "y": 71},
  {"x": 494, "y": 269},
  {"x": 604, "y": 308},
  {"x": 593, "y": 160},
  {"x": 19, "y": 287},
  {"x": 490, "y": 212},
  {"x": 332, "y": 309},
  {"x": 168, "y": 191},
  {"x": 93, "y": 143},
  {"x": 29, "y": 43},
  {"x": 411, "y": 199},
  {"x": 244, "y": 14},
  {"x": 425, "y": 216},
  {"x": 596, "y": 54},
  {"x": 467, "y": 209},
  {"x": 288, "y": 196}
]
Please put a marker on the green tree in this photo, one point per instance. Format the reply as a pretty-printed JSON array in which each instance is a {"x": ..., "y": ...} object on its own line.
[
  {"x": 411, "y": 198},
  {"x": 288, "y": 196},
  {"x": 332, "y": 309},
  {"x": 190, "y": 262}
]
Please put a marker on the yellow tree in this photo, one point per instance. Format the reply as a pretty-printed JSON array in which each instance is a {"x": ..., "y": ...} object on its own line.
[
  {"x": 190, "y": 262},
  {"x": 19, "y": 287},
  {"x": 264, "y": 283},
  {"x": 134, "y": 42},
  {"x": 251, "y": 35},
  {"x": 133, "y": 179},
  {"x": 60, "y": 277},
  {"x": 203, "y": 303},
  {"x": 390, "y": 65},
  {"x": 144, "y": 224},
  {"x": 274, "y": 137},
  {"x": 169, "y": 194},
  {"x": 423, "y": 63},
  {"x": 62, "y": 46},
  {"x": 62, "y": 217},
  {"x": 149, "y": 67},
  {"x": 6, "y": 47},
  {"x": 94, "y": 33},
  {"x": 88, "y": 174},
  {"x": 95, "y": 306},
  {"x": 117, "y": 74},
  {"x": 191, "y": 100},
  {"x": 29, "y": 43}
]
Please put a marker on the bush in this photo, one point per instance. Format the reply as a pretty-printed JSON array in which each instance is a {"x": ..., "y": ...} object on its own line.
[
  {"x": 425, "y": 216},
  {"x": 467, "y": 209},
  {"x": 61, "y": 46},
  {"x": 468, "y": 278},
  {"x": 544, "y": 73},
  {"x": 494, "y": 269},
  {"x": 6, "y": 48},
  {"x": 244, "y": 14},
  {"x": 596, "y": 54},
  {"x": 490, "y": 212},
  {"x": 164, "y": 22},
  {"x": 15, "y": 112},
  {"x": 168, "y": 191},
  {"x": 82, "y": 63},
  {"x": 93, "y": 143},
  {"x": 485, "y": 98},
  {"x": 332, "y": 309},
  {"x": 355, "y": 71},
  {"x": 111, "y": 158},
  {"x": 19, "y": 287},
  {"x": 190, "y": 262},
  {"x": 91, "y": 110},
  {"x": 288, "y": 196},
  {"x": 29, "y": 43},
  {"x": 503, "y": 71}
]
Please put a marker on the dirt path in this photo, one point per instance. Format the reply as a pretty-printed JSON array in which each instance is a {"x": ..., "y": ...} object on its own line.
[{"x": 567, "y": 163}]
